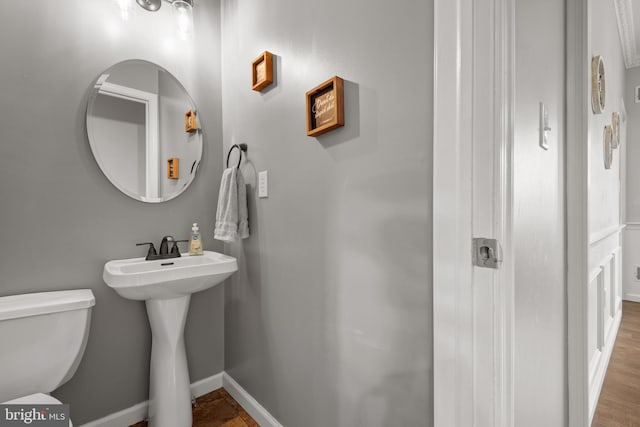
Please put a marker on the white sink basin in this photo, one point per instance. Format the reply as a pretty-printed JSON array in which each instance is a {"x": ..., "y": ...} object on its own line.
[
  {"x": 166, "y": 287},
  {"x": 138, "y": 279}
]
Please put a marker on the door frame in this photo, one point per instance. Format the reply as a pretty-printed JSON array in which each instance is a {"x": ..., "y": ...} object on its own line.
[
  {"x": 577, "y": 198},
  {"x": 151, "y": 104},
  {"x": 456, "y": 50}
]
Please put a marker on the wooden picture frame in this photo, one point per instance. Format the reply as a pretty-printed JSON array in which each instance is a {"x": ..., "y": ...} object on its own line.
[
  {"x": 190, "y": 121},
  {"x": 262, "y": 71},
  {"x": 173, "y": 168},
  {"x": 598, "y": 87},
  {"x": 325, "y": 107},
  {"x": 608, "y": 147},
  {"x": 615, "y": 130}
]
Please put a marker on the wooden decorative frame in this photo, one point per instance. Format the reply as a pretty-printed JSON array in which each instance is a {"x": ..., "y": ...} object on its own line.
[
  {"x": 325, "y": 107},
  {"x": 190, "y": 121},
  {"x": 173, "y": 168},
  {"x": 615, "y": 129},
  {"x": 608, "y": 147},
  {"x": 262, "y": 71},
  {"x": 598, "y": 91}
]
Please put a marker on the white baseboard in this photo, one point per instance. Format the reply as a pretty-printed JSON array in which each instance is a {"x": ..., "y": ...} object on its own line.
[
  {"x": 253, "y": 408},
  {"x": 207, "y": 385},
  {"x": 603, "y": 364},
  {"x": 631, "y": 297},
  {"x": 139, "y": 412},
  {"x": 123, "y": 418}
]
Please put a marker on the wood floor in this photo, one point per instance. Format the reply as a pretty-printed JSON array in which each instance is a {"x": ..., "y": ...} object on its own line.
[
  {"x": 217, "y": 409},
  {"x": 619, "y": 403}
]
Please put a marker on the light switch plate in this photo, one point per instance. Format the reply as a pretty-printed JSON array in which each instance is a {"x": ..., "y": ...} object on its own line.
[
  {"x": 263, "y": 185},
  {"x": 544, "y": 127}
]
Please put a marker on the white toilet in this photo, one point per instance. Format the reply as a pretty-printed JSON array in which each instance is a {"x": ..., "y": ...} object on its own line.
[{"x": 43, "y": 338}]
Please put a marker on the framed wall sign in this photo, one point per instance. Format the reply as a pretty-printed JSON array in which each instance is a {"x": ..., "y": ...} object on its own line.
[
  {"x": 262, "y": 71},
  {"x": 325, "y": 107},
  {"x": 608, "y": 147},
  {"x": 615, "y": 130},
  {"x": 598, "y": 91},
  {"x": 173, "y": 168},
  {"x": 190, "y": 121}
]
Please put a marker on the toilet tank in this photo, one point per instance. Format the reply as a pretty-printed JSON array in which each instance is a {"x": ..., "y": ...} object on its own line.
[{"x": 42, "y": 340}]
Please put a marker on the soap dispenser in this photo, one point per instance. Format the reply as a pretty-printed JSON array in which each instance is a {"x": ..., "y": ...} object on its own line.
[{"x": 195, "y": 243}]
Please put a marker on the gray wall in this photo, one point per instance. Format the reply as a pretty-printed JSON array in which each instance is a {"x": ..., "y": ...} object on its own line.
[
  {"x": 539, "y": 218},
  {"x": 632, "y": 146},
  {"x": 631, "y": 180},
  {"x": 329, "y": 320},
  {"x": 604, "y": 184},
  {"x": 61, "y": 219}
]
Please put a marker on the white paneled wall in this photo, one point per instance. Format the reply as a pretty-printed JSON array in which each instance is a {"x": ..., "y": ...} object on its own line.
[
  {"x": 604, "y": 305},
  {"x": 604, "y": 295}
]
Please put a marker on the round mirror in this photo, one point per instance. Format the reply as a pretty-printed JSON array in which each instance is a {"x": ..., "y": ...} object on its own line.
[{"x": 144, "y": 131}]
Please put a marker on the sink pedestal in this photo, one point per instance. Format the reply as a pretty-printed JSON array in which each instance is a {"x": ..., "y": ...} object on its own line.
[
  {"x": 169, "y": 389},
  {"x": 166, "y": 285}
]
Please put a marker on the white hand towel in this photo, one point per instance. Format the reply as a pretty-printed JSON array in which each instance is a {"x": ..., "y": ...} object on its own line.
[
  {"x": 232, "y": 213},
  {"x": 243, "y": 210}
]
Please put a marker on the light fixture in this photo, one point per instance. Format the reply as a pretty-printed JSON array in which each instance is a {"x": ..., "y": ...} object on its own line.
[
  {"x": 183, "y": 10},
  {"x": 150, "y": 5},
  {"x": 154, "y": 5},
  {"x": 125, "y": 8}
]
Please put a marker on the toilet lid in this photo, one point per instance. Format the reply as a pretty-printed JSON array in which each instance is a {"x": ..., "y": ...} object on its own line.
[{"x": 36, "y": 399}]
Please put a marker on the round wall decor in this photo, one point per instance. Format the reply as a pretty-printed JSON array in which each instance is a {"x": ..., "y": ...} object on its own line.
[
  {"x": 608, "y": 147},
  {"x": 615, "y": 129},
  {"x": 597, "y": 84}
]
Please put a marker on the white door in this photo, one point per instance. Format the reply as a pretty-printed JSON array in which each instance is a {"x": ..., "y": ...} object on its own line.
[{"x": 472, "y": 199}]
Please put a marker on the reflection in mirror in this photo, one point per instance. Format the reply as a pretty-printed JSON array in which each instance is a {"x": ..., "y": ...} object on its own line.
[{"x": 136, "y": 128}]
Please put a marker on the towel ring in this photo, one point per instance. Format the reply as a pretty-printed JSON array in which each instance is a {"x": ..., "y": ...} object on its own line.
[{"x": 241, "y": 147}]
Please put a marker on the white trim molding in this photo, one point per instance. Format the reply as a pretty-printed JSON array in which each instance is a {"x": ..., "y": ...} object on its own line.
[
  {"x": 474, "y": 50},
  {"x": 253, "y": 408},
  {"x": 150, "y": 102},
  {"x": 578, "y": 116},
  {"x": 139, "y": 412},
  {"x": 504, "y": 298},
  {"x": 623, "y": 161},
  {"x": 453, "y": 391},
  {"x": 597, "y": 379},
  {"x": 603, "y": 234},
  {"x": 632, "y": 297},
  {"x": 626, "y": 30}
]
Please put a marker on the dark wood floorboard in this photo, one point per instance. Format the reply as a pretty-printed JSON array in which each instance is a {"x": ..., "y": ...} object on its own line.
[
  {"x": 217, "y": 409},
  {"x": 619, "y": 403}
]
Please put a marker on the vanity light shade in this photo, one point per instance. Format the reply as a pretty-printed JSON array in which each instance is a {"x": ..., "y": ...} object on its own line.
[
  {"x": 125, "y": 8},
  {"x": 183, "y": 10}
]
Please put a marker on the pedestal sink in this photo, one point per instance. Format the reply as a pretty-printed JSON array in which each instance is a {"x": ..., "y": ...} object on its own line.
[{"x": 166, "y": 287}]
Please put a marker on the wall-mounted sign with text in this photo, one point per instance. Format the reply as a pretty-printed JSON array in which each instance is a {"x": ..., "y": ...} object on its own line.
[{"x": 325, "y": 107}]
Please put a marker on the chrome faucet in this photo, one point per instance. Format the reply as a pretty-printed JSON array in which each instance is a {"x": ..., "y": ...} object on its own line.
[{"x": 165, "y": 253}]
